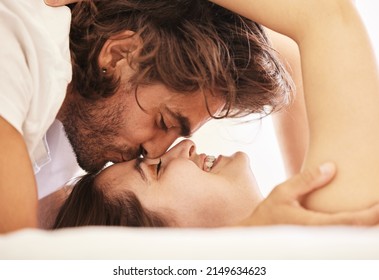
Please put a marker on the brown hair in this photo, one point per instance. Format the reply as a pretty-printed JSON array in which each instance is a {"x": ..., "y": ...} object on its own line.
[
  {"x": 88, "y": 205},
  {"x": 188, "y": 45}
]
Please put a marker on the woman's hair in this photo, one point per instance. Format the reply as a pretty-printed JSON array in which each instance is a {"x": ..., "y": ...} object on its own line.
[
  {"x": 88, "y": 205},
  {"x": 188, "y": 45}
]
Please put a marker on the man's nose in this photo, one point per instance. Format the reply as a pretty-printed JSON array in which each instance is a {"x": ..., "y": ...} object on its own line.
[{"x": 158, "y": 145}]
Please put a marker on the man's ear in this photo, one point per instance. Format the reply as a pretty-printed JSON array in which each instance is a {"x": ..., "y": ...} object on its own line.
[{"x": 117, "y": 48}]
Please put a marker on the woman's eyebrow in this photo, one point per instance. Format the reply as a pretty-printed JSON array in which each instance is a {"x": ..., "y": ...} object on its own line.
[{"x": 137, "y": 167}]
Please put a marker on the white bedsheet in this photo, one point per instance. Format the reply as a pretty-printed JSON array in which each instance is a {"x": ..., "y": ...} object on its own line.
[{"x": 277, "y": 242}]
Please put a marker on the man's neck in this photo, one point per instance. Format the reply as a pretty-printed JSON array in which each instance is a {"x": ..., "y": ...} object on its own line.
[{"x": 69, "y": 96}]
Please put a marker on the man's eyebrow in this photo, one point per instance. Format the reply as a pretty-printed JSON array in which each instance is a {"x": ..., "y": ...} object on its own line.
[
  {"x": 184, "y": 123},
  {"x": 137, "y": 167}
]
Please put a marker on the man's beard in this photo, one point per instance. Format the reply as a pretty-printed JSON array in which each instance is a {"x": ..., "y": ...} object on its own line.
[{"x": 91, "y": 130}]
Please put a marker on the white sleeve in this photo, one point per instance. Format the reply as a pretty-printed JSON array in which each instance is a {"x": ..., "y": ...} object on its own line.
[{"x": 16, "y": 85}]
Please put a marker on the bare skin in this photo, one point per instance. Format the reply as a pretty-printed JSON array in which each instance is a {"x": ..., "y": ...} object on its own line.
[
  {"x": 57, "y": 3},
  {"x": 17, "y": 183},
  {"x": 290, "y": 123},
  {"x": 338, "y": 120}
]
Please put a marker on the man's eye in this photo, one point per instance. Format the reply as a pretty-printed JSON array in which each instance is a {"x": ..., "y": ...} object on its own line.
[{"x": 159, "y": 166}]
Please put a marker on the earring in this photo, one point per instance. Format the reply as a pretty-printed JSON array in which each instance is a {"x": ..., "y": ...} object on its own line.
[{"x": 104, "y": 70}]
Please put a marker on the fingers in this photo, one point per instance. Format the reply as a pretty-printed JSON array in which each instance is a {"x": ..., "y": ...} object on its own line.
[
  {"x": 56, "y": 3},
  {"x": 367, "y": 217},
  {"x": 309, "y": 180}
]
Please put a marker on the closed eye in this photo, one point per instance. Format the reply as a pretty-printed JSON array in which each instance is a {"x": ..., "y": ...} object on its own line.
[
  {"x": 162, "y": 123},
  {"x": 159, "y": 165}
]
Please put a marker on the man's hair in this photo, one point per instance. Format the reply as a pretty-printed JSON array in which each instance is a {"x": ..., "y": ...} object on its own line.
[
  {"x": 89, "y": 205},
  {"x": 187, "y": 45}
]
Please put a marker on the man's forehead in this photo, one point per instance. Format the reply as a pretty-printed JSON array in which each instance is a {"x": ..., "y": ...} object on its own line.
[
  {"x": 198, "y": 102},
  {"x": 198, "y": 113}
]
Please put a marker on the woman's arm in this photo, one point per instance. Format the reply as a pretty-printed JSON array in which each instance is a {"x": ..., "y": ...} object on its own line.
[
  {"x": 290, "y": 123},
  {"x": 341, "y": 88},
  {"x": 57, "y": 3},
  {"x": 343, "y": 110},
  {"x": 282, "y": 205}
]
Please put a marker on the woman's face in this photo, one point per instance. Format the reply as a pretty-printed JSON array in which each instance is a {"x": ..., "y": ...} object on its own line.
[{"x": 185, "y": 188}]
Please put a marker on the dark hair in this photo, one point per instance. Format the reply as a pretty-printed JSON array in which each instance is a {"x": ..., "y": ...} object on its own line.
[
  {"x": 88, "y": 205},
  {"x": 188, "y": 45}
]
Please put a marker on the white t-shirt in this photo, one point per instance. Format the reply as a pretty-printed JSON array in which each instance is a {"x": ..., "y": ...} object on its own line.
[
  {"x": 63, "y": 166},
  {"x": 35, "y": 69}
]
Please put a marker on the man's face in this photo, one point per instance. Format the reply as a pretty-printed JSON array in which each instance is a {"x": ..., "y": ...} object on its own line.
[{"x": 123, "y": 126}]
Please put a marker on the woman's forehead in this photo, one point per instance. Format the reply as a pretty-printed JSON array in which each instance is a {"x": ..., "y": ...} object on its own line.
[{"x": 121, "y": 174}]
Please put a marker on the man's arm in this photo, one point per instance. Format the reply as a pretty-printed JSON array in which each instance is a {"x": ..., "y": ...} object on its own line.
[{"x": 18, "y": 193}]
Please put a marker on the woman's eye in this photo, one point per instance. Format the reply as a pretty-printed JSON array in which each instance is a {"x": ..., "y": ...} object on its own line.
[
  {"x": 162, "y": 124},
  {"x": 159, "y": 166}
]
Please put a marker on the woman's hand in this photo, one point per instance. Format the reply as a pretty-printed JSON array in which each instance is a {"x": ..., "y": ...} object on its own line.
[
  {"x": 283, "y": 206},
  {"x": 56, "y": 3}
]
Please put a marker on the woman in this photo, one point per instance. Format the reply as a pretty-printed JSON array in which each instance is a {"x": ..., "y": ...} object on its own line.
[
  {"x": 327, "y": 32},
  {"x": 186, "y": 189}
]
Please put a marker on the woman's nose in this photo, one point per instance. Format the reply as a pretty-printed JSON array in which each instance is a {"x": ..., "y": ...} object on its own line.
[{"x": 185, "y": 148}]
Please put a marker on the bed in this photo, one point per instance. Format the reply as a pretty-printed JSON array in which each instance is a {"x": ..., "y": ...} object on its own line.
[{"x": 269, "y": 243}]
